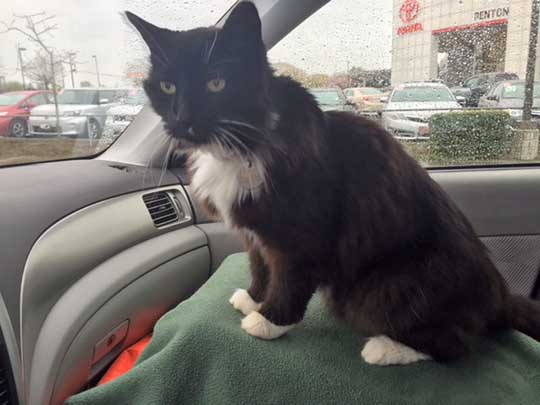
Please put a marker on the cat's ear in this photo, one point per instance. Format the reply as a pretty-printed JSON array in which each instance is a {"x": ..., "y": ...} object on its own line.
[
  {"x": 243, "y": 25},
  {"x": 155, "y": 37}
]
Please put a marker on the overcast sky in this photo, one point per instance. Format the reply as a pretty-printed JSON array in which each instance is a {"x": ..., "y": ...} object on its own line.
[{"x": 358, "y": 31}]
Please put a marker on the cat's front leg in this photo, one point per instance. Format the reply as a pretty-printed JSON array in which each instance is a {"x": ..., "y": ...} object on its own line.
[
  {"x": 287, "y": 295},
  {"x": 250, "y": 300}
]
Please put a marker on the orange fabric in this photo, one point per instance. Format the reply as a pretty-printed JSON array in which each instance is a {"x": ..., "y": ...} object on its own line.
[{"x": 125, "y": 361}]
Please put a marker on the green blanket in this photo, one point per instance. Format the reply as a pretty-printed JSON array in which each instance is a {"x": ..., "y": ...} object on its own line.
[{"x": 199, "y": 355}]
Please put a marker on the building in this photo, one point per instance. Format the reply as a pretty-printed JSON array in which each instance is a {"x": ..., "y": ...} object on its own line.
[{"x": 455, "y": 39}]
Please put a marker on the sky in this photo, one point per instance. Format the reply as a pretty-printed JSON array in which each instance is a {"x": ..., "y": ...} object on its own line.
[{"x": 354, "y": 32}]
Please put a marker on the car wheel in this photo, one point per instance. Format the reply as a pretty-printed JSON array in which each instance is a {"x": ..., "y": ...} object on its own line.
[
  {"x": 93, "y": 130},
  {"x": 18, "y": 128}
]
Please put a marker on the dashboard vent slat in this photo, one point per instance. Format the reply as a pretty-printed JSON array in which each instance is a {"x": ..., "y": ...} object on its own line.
[{"x": 161, "y": 208}]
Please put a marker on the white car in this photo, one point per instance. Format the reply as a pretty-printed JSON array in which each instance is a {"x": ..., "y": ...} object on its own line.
[
  {"x": 120, "y": 116},
  {"x": 411, "y": 105},
  {"x": 81, "y": 113}
]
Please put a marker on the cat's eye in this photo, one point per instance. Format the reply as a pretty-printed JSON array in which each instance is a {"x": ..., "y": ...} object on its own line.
[
  {"x": 215, "y": 85},
  {"x": 167, "y": 87}
]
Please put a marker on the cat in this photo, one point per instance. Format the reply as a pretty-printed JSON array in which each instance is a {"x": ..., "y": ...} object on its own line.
[{"x": 326, "y": 201}]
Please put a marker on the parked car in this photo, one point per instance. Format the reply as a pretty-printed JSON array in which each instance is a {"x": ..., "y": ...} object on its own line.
[
  {"x": 410, "y": 106},
  {"x": 332, "y": 99},
  {"x": 365, "y": 98},
  {"x": 475, "y": 87},
  {"x": 82, "y": 113},
  {"x": 511, "y": 95},
  {"x": 15, "y": 108},
  {"x": 120, "y": 116}
]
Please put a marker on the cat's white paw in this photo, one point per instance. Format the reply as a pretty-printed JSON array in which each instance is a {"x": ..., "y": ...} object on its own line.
[
  {"x": 383, "y": 351},
  {"x": 242, "y": 301},
  {"x": 257, "y": 325}
]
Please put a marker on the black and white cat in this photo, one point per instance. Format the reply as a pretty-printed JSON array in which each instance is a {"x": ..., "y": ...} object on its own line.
[{"x": 324, "y": 201}]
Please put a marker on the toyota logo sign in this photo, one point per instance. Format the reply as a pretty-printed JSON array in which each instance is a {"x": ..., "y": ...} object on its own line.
[{"x": 409, "y": 11}]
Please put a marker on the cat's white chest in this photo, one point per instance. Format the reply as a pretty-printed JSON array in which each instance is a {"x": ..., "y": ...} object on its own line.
[{"x": 226, "y": 181}]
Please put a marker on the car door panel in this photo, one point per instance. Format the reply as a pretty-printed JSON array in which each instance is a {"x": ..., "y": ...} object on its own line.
[
  {"x": 140, "y": 292},
  {"x": 83, "y": 261},
  {"x": 34, "y": 197}
]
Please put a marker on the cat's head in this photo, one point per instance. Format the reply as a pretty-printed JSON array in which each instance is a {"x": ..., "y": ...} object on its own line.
[{"x": 210, "y": 85}]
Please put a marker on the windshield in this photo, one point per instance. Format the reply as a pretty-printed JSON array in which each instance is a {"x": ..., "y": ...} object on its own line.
[
  {"x": 11, "y": 98},
  {"x": 422, "y": 95},
  {"x": 328, "y": 97},
  {"x": 93, "y": 47},
  {"x": 369, "y": 91},
  {"x": 517, "y": 90},
  {"x": 78, "y": 97},
  {"x": 410, "y": 51}
]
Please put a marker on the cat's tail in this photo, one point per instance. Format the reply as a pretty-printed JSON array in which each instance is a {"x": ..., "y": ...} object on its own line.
[{"x": 525, "y": 315}]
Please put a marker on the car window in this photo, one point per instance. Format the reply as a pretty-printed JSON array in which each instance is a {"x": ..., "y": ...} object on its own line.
[
  {"x": 517, "y": 91},
  {"x": 39, "y": 99},
  {"x": 110, "y": 95},
  {"x": 482, "y": 81},
  {"x": 9, "y": 99},
  {"x": 505, "y": 76},
  {"x": 471, "y": 82},
  {"x": 402, "y": 42},
  {"x": 328, "y": 97},
  {"x": 495, "y": 90},
  {"x": 368, "y": 91},
  {"x": 77, "y": 97},
  {"x": 421, "y": 94},
  {"x": 93, "y": 48},
  {"x": 345, "y": 44}
]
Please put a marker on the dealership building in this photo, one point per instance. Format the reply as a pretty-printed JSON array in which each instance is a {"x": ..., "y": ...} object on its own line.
[{"x": 455, "y": 39}]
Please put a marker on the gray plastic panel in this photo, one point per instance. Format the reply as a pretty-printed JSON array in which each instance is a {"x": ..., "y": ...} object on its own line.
[
  {"x": 75, "y": 245},
  {"x": 33, "y": 197},
  {"x": 221, "y": 241},
  {"x": 496, "y": 201},
  {"x": 140, "y": 284}
]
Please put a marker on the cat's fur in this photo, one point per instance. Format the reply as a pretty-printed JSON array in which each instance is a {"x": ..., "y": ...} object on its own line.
[{"x": 325, "y": 201}]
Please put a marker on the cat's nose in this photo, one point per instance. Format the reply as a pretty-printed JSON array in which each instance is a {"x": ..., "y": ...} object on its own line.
[{"x": 186, "y": 127}]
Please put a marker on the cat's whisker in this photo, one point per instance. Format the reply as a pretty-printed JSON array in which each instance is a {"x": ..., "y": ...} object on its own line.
[
  {"x": 238, "y": 141},
  {"x": 243, "y": 124},
  {"x": 172, "y": 144},
  {"x": 162, "y": 138},
  {"x": 267, "y": 141}
]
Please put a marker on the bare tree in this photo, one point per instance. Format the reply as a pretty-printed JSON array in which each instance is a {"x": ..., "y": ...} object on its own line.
[
  {"x": 33, "y": 27},
  {"x": 39, "y": 70}
]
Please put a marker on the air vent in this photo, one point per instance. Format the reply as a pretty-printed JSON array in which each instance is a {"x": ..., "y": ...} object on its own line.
[{"x": 161, "y": 208}]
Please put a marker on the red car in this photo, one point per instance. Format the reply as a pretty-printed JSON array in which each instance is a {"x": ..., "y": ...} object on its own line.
[{"x": 15, "y": 108}]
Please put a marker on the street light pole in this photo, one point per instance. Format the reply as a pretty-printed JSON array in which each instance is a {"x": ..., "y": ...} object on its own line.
[
  {"x": 348, "y": 75},
  {"x": 19, "y": 52},
  {"x": 97, "y": 70},
  {"x": 72, "y": 67},
  {"x": 531, "y": 63}
]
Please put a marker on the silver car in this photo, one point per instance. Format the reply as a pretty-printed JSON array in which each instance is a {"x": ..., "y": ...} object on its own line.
[
  {"x": 120, "y": 116},
  {"x": 411, "y": 105},
  {"x": 82, "y": 112},
  {"x": 510, "y": 95}
]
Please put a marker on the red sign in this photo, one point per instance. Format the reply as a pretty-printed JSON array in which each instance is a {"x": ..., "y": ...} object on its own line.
[
  {"x": 136, "y": 75},
  {"x": 409, "y": 11},
  {"x": 409, "y": 29},
  {"x": 407, "y": 14}
]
